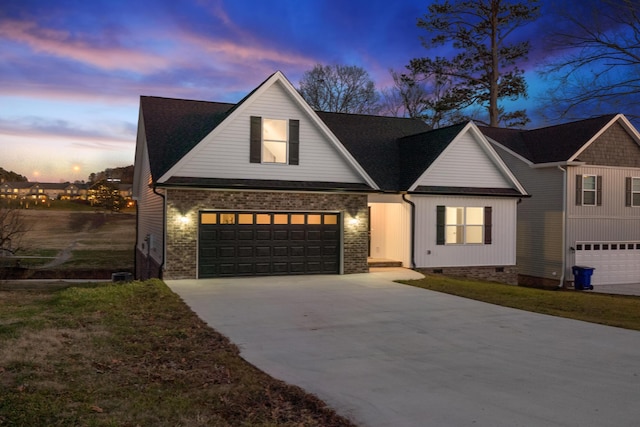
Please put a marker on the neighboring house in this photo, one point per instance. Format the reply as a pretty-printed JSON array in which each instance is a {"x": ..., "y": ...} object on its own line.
[
  {"x": 584, "y": 179},
  {"x": 269, "y": 186},
  {"x": 42, "y": 191}
]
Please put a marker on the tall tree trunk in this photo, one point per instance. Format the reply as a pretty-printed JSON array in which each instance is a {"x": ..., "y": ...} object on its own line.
[{"x": 494, "y": 72}]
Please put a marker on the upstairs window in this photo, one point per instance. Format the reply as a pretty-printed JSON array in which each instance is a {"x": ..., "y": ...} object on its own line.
[
  {"x": 588, "y": 190},
  {"x": 274, "y": 141},
  {"x": 633, "y": 191},
  {"x": 463, "y": 225}
]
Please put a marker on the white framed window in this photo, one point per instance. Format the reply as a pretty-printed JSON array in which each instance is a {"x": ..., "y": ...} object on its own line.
[
  {"x": 589, "y": 190},
  {"x": 464, "y": 225},
  {"x": 274, "y": 141},
  {"x": 633, "y": 191}
]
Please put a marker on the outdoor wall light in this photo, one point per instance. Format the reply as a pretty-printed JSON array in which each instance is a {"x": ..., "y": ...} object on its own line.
[
  {"x": 183, "y": 219},
  {"x": 354, "y": 221}
]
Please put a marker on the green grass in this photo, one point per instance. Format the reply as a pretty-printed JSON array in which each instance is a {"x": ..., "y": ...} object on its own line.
[
  {"x": 132, "y": 354},
  {"x": 109, "y": 259},
  {"x": 614, "y": 310}
]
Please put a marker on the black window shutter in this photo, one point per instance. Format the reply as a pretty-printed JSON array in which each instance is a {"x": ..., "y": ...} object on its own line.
[
  {"x": 487, "y": 225},
  {"x": 599, "y": 190},
  {"x": 578, "y": 189},
  {"x": 294, "y": 142},
  {"x": 627, "y": 192},
  {"x": 440, "y": 216},
  {"x": 255, "y": 150}
]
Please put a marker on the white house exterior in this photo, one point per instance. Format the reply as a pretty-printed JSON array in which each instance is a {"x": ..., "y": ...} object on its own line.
[{"x": 269, "y": 186}]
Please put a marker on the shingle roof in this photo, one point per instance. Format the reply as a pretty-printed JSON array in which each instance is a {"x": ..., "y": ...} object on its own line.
[
  {"x": 373, "y": 142},
  {"x": 174, "y": 126},
  {"x": 549, "y": 144}
]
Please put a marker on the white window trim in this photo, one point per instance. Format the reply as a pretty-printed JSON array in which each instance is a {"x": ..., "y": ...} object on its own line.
[
  {"x": 633, "y": 178},
  {"x": 286, "y": 142},
  {"x": 594, "y": 191},
  {"x": 464, "y": 226}
]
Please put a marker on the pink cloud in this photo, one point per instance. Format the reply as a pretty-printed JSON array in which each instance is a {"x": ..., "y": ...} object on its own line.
[{"x": 79, "y": 48}]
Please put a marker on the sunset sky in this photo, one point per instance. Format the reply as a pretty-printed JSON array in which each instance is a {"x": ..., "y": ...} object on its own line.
[{"x": 72, "y": 72}]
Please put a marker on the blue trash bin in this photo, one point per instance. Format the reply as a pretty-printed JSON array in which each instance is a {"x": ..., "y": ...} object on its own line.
[{"x": 582, "y": 276}]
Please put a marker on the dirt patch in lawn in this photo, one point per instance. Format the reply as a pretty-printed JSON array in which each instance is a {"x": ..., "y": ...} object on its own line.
[{"x": 133, "y": 354}]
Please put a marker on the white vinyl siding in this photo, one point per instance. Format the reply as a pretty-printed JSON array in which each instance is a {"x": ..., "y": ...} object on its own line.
[
  {"x": 227, "y": 156},
  {"x": 502, "y": 250},
  {"x": 540, "y": 218},
  {"x": 464, "y": 164},
  {"x": 150, "y": 209}
]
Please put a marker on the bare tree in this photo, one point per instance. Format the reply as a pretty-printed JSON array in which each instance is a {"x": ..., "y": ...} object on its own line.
[
  {"x": 484, "y": 68},
  {"x": 600, "y": 68},
  {"x": 12, "y": 229},
  {"x": 339, "y": 89}
]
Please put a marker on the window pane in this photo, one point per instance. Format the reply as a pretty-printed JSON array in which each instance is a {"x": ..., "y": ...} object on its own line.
[
  {"x": 636, "y": 184},
  {"x": 589, "y": 182},
  {"x": 331, "y": 219},
  {"x": 454, "y": 216},
  {"x": 474, "y": 234},
  {"x": 475, "y": 216},
  {"x": 274, "y": 130},
  {"x": 297, "y": 219},
  {"x": 636, "y": 199},
  {"x": 245, "y": 218},
  {"x": 274, "y": 152},
  {"x": 454, "y": 234},
  {"x": 281, "y": 219},
  {"x": 227, "y": 218},
  {"x": 314, "y": 219},
  {"x": 589, "y": 198},
  {"x": 263, "y": 219},
  {"x": 209, "y": 218}
]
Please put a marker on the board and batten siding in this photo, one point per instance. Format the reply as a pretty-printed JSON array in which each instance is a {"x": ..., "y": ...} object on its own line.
[
  {"x": 227, "y": 156},
  {"x": 612, "y": 221},
  {"x": 150, "y": 211},
  {"x": 540, "y": 218},
  {"x": 501, "y": 252},
  {"x": 464, "y": 164}
]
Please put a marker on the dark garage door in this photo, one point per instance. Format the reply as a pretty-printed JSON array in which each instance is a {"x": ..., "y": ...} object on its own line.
[{"x": 268, "y": 243}]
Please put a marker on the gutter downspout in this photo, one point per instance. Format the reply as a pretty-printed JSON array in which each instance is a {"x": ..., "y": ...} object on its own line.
[
  {"x": 164, "y": 229},
  {"x": 564, "y": 226},
  {"x": 413, "y": 227}
]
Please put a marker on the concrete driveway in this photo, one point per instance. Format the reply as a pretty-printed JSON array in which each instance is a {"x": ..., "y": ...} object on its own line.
[{"x": 386, "y": 354}]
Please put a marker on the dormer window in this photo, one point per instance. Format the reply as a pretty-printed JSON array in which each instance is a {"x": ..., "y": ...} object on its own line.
[{"x": 274, "y": 141}]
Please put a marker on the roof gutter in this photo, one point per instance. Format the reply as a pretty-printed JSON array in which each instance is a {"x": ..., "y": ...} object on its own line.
[
  {"x": 557, "y": 164},
  {"x": 413, "y": 228}
]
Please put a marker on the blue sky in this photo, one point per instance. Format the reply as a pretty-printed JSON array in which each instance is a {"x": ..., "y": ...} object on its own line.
[{"x": 71, "y": 72}]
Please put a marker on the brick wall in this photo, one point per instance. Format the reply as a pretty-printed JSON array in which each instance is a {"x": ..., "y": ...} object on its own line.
[
  {"x": 502, "y": 274},
  {"x": 182, "y": 222}
]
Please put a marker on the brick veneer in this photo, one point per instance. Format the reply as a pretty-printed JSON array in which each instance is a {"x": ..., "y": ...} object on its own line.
[
  {"x": 182, "y": 246},
  {"x": 503, "y": 274}
]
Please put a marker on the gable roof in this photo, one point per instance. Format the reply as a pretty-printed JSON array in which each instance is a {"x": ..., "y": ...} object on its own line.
[
  {"x": 559, "y": 143},
  {"x": 390, "y": 153},
  {"x": 175, "y": 126}
]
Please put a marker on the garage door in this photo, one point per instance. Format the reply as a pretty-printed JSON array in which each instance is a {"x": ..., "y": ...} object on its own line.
[
  {"x": 614, "y": 262},
  {"x": 268, "y": 243}
]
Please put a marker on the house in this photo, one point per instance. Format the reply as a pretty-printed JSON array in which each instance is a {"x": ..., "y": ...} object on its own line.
[
  {"x": 584, "y": 178},
  {"x": 42, "y": 191},
  {"x": 269, "y": 186}
]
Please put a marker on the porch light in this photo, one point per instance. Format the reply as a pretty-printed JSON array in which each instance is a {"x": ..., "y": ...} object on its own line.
[
  {"x": 183, "y": 219},
  {"x": 354, "y": 221}
]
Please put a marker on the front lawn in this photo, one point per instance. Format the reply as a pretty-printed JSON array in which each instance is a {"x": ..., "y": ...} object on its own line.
[
  {"x": 614, "y": 310},
  {"x": 132, "y": 354}
]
